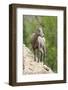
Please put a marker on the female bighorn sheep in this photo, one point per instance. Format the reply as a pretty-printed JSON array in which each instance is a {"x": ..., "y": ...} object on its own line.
[{"x": 38, "y": 44}]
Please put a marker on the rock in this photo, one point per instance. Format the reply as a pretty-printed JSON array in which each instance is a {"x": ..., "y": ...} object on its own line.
[{"x": 31, "y": 66}]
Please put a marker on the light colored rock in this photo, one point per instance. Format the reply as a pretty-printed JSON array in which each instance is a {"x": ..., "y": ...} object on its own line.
[{"x": 31, "y": 66}]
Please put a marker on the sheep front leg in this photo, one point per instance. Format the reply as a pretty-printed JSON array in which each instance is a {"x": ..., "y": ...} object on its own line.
[
  {"x": 44, "y": 54},
  {"x": 41, "y": 57}
]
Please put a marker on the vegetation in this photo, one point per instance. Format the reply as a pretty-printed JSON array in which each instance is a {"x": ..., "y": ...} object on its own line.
[{"x": 49, "y": 25}]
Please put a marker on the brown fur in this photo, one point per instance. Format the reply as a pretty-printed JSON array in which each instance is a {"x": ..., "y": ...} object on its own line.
[{"x": 36, "y": 46}]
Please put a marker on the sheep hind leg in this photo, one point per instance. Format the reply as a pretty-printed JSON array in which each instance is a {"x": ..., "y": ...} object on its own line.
[
  {"x": 38, "y": 55},
  {"x": 34, "y": 55}
]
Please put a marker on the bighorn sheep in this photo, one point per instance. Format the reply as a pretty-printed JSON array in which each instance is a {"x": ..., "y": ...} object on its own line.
[{"x": 38, "y": 44}]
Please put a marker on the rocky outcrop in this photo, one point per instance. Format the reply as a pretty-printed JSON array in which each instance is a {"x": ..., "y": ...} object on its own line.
[{"x": 31, "y": 66}]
